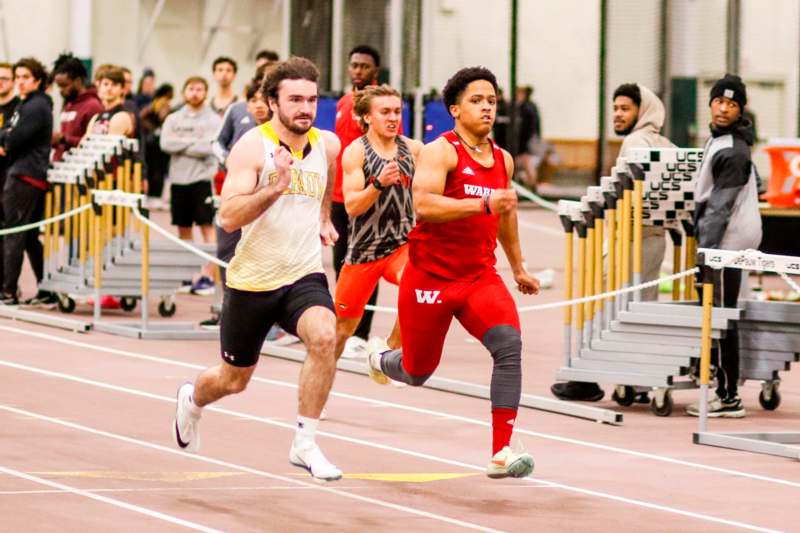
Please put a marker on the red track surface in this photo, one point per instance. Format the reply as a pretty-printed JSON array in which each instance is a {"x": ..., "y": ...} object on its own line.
[{"x": 88, "y": 416}]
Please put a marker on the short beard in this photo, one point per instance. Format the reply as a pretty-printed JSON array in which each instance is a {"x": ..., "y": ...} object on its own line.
[
  {"x": 626, "y": 131},
  {"x": 297, "y": 130}
]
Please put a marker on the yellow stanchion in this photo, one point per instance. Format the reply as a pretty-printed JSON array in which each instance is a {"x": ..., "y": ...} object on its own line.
[
  {"x": 145, "y": 272},
  {"x": 76, "y": 222},
  {"x": 581, "y": 272},
  {"x": 677, "y": 248},
  {"x": 611, "y": 217},
  {"x": 98, "y": 259},
  {"x": 626, "y": 221},
  {"x": 137, "y": 188},
  {"x": 108, "y": 218},
  {"x": 705, "y": 346},
  {"x": 83, "y": 232},
  {"x": 68, "y": 222},
  {"x": 48, "y": 229},
  {"x": 588, "y": 309},
  {"x": 118, "y": 209},
  {"x": 56, "y": 231},
  {"x": 568, "y": 266},
  {"x": 689, "y": 292},
  {"x": 638, "y": 190}
]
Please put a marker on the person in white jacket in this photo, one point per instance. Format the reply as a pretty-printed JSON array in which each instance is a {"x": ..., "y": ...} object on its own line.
[
  {"x": 187, "y": 135},
  {"x": 639, "y": 116}
]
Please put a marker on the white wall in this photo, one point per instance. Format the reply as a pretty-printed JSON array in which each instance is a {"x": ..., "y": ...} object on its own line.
[{"x": 558, "y": 55}]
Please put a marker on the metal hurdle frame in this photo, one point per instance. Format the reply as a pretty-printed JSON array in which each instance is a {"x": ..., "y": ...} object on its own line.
[{"x": 783, "y": 444}]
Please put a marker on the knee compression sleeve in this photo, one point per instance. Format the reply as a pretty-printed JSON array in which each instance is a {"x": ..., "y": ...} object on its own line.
[
  {"x": 505, "y": 345},
  {"x": 392, "y": 366}
]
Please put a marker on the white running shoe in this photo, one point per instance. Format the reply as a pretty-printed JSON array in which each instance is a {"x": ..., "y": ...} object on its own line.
[
  {"x": 184, "y": 428},
  {"x": 277, "y": 336},
  {"x": 310, "y": 458},
  {"x": 355, "y": 348},
  {"x": 508, "y": 463},
  {"x": 376, "y": 347}
]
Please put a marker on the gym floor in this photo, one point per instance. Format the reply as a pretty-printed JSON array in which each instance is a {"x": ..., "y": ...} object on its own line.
[{"x": 86, "y": 444}]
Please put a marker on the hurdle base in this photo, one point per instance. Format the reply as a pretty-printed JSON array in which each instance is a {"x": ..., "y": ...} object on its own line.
[
  {"x": 463, "y": 388},
  {"x": 156, "y": 331},
  {"x": 782, "y": 444},
  {"x": 45, "y": 319}
]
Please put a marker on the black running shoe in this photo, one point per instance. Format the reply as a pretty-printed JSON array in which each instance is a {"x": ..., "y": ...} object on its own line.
[
  {"x": 9, "y": 299},
  {"x": 577, "y": 391},
  {"x": 43, "y": 299},
  {"x": 210, "y": 324}
]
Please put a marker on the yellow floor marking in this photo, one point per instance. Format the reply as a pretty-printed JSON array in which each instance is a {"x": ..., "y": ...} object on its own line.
[
  {"x": 168, "y": 477},
  {"x": 407, "y": 477}
]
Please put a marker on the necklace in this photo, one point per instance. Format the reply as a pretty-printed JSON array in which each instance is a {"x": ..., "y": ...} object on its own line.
[{"x": 471, "y": 147}]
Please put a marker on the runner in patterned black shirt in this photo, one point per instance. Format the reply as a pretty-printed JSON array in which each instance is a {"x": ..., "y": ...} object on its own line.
[{"x": 378, "y": 168}]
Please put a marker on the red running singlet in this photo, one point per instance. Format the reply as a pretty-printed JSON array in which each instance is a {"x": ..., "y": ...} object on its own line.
[{"x": 461, "y": 249}]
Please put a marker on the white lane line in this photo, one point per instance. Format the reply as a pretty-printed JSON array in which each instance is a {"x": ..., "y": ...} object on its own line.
[
  {"x": 174, "y": 489},
  {"x": 111, "y": 501},
  {"x": 402, "y": 451},
  {"x": 424, "y": 411},
  {"x": 241, "y": 468}
]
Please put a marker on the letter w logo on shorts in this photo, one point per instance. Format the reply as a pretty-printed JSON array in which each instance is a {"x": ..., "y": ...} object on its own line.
[{"x": 428, "y": 297}]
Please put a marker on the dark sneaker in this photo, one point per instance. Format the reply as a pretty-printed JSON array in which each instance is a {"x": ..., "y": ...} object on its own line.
[
  {"x": 719, "y": 408},
  {"x": 203, "y": 286},
  {"x": 9, "y": 299},
  {"x": 43, "y": 300},
  {"x": 186, "y": 287},
  {"x": 577, "y": 391},
  {"x": 212, "y": 324},
  {"x": 642, "y": 397}
]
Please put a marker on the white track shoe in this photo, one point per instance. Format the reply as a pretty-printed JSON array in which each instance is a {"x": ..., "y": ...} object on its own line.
[
  {"x": 508, "y": 463},
  {"x": 376, "y": 347},
  {"x": 310, "y": 458},
  {"x": 184, "y": 428}
]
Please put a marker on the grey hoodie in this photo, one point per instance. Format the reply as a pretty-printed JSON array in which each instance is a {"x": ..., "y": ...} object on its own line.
[
  {"x": 187, "y": 135},
  {"x": 647, "y": 131}
]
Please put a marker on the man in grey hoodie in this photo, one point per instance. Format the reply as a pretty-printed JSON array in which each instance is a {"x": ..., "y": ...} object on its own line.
[
  {"x": 639, "y": 116},
  {"x": 187, "y": 135}
]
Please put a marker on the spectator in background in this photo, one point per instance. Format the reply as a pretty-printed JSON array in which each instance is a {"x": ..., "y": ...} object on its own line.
[
  {"x": 8, "y": 103},
  {"x": 26, "y": 145},
  {"x": 266, "y": 57},
  {"x": 363, "y": 67},
  {"x": 501, "y": 122},
  {"x": 187, "y": 135},
  {"x": 127, "y": 89},
  {"x": 81, "y": 103},
  {"x": 114, "y": 119},
  {"x": 531, "y": 149},
  {"x": 224, "y": 70},
  {"x": 152, "y": 118},
  {"x": 147, "y": 89}
]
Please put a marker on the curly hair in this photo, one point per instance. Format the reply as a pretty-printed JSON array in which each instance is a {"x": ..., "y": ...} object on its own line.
[
  {"x": 37, "y": 70},
  {"x": 71, "y": 66},
  {"x": 294, "y": 68},
  {"x": 362, "y": 100},
  {"x": 456, "y": 85}
]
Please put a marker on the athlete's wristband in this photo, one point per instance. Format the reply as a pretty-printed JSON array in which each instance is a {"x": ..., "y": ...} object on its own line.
[
  {"x": 377, "y": 184},
  {"x": 486, "y": 207}
]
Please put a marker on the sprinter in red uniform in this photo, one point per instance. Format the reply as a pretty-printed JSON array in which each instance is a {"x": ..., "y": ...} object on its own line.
[{"x": 464, "y": 205}]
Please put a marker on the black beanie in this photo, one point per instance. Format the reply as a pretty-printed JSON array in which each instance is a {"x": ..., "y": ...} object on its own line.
[{"x": 731, "y": 86}]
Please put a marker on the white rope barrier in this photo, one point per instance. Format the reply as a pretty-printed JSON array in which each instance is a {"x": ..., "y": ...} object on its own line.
[
  {"x": 535, "y": 198},
  {"x": 45, "y": 222},
  {"x": 179, "y": 242}
]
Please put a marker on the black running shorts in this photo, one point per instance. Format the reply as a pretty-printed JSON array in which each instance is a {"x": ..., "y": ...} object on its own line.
[
  {"x": 248, "y": 316},
  {"x": 191, "y": 204}
]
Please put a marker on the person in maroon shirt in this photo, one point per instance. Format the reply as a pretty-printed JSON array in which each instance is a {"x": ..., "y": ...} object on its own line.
[
  {"x": 464, "y": 205},
  {"x": 81, "y": 103},
  {"x": 363, "y": 69}
]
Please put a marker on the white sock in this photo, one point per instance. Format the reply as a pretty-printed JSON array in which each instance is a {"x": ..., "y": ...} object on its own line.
[
  {"x": 194, "y": 410},
  {"x": 306, "y": 431}
]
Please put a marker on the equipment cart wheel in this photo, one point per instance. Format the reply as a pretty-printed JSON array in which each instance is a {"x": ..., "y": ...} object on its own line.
[
  {"x": 166, "y": 308},
  {"x": 769, "y": 397},
  {"x": 624, "y": 395},
  {"x": 65, "y": 303},
  {"x": 662, "y": 404},
  {"x": 128, "y": 303}
]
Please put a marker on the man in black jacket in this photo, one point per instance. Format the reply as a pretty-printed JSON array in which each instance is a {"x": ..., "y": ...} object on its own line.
[
  {"x": 8, "y": 103},
  {"x": 727, "y": 218},
  {"x": 26, "y": 144}
]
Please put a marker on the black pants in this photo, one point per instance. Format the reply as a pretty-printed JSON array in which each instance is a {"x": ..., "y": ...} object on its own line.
[
  {"x": 727, "y": 284},
  {"x": 22, "y": 204},
  {"x": 339, "y": 218}
]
